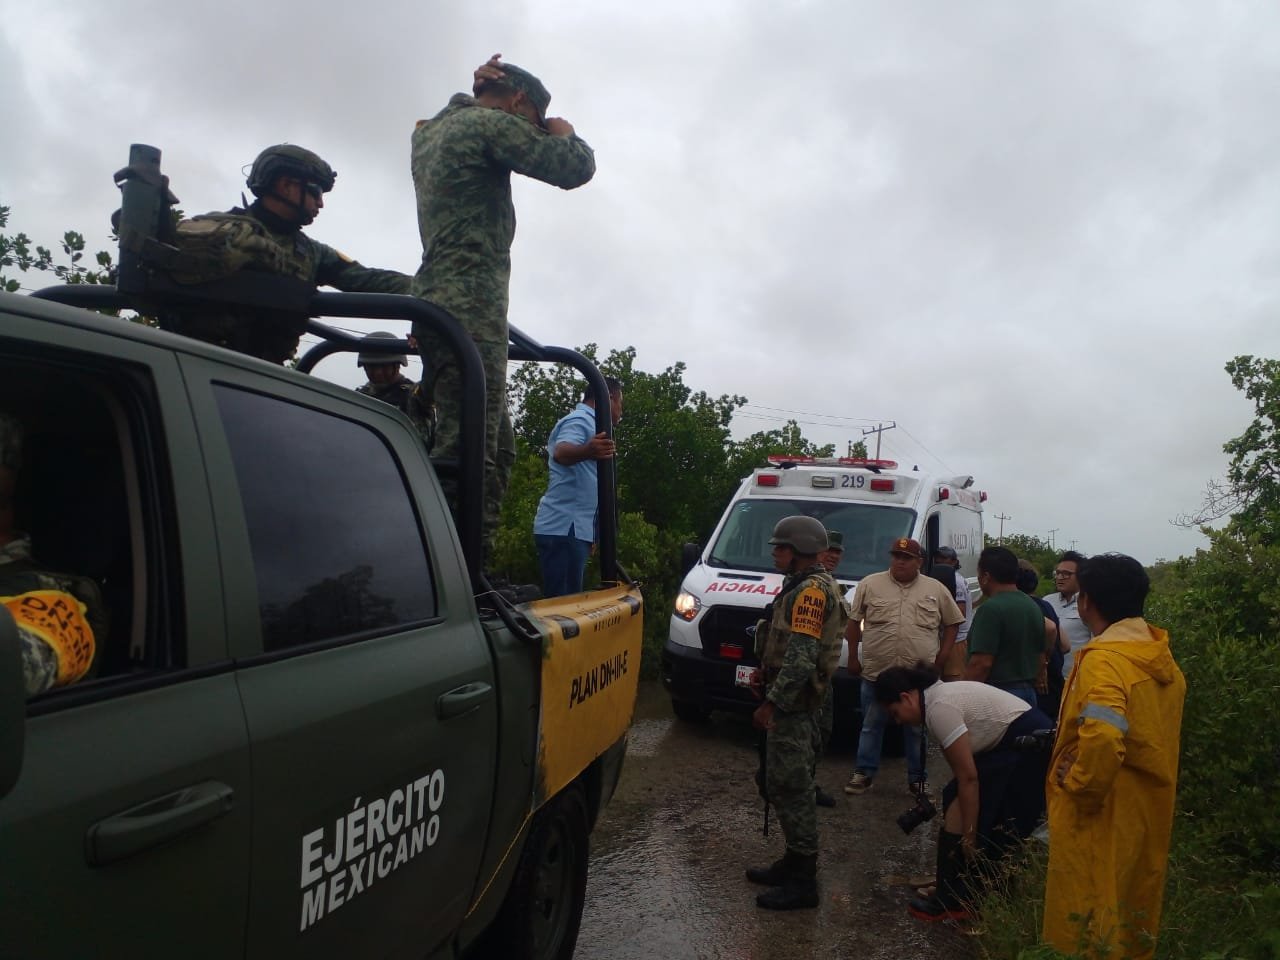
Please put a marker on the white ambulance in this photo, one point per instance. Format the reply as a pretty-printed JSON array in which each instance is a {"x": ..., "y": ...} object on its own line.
[{"x": 709, "y": 655}]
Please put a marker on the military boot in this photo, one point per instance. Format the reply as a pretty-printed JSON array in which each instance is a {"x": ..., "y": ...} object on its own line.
[
  {"x": 799, "y": 889},
  {"x": 773, "y": 875}
]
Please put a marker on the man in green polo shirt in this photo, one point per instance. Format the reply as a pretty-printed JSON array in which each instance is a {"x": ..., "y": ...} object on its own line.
[{"x": 1006, "y": 641}]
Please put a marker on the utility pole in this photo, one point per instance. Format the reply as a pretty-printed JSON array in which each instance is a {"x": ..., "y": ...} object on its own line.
[
  {"x": 1073, "y": 544},
  {"x": 1002, "y": 518},
  {"x": 879, "y": 430},
  {"x": 1051, "y": 533}
]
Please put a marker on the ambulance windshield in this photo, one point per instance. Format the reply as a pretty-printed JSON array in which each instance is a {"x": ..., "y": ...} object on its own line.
[{"x": 868, "y": 530}]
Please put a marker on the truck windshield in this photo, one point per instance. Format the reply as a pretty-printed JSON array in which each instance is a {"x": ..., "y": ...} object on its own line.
[{"x": 868, "y": 530}]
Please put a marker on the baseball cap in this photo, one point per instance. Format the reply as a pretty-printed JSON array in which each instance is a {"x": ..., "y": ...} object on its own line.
[
  {"x": 835, "y": 540},
  {"x": 908, "y": 546}
]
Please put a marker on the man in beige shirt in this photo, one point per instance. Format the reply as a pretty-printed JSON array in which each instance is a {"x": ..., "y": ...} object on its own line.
[{"x": 895, "y": 618}]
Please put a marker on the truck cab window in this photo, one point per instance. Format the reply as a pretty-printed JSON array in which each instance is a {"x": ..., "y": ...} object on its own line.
[
  {"x": 75, "y": 498},
  {"x": 336, "y": 542}
]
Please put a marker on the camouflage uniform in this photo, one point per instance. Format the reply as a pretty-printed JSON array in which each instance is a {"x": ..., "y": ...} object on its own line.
[
  {"x": 407, "y": 397},
  {"x": 73, "y": 605},
  {"x": 274, "y": 246},
  {"x": 398, "y": 393},
  {"x": 799, "y": 654},
  {"x": 462, "y": 160}
]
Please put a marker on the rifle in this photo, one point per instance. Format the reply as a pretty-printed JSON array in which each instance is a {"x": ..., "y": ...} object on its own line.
[{"x": 762, "y": 780}]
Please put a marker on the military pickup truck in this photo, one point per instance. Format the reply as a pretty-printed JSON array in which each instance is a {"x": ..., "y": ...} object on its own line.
[{"x": 310, "y": 727}]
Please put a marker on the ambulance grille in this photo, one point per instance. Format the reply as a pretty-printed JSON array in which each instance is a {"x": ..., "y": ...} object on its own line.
[{"x": 728, "y": 625}]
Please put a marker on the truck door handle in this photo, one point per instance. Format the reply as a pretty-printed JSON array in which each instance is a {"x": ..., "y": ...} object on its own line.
[
  {"x": 462, "y": 699},
  {"x": 156, "y": 821}
]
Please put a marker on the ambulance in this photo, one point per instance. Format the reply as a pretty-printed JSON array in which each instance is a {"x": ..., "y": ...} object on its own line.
[{"x": 708, "y": 657}]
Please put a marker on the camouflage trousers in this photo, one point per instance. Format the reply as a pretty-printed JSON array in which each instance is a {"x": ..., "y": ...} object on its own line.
[
  {"x": 789, "y": 761},
  {"x": 443, "y": 381}
]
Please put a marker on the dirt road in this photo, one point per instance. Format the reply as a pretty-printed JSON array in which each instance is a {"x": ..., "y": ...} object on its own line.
[{"x": 668, "y": 857}]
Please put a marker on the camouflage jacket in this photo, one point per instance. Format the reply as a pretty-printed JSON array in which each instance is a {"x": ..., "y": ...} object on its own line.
[
  {"x": 398, "y": 393},
  {"x": 410, "y": 399},
  {"x": 802, "y": 641},
  {"x": 320, "y": 264},
  {"x": 462, "y": 161},
  {"x": 61, "y": 618}
]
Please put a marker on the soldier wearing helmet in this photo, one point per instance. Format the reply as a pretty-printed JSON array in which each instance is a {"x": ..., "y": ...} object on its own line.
[
  {"x": 289, "y": 183},
  {"x": 386, "y": 382},
  {"x": 799, "y": 647}
]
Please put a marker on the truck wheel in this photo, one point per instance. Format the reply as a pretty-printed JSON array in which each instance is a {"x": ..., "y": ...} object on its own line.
[
  {"x": 690, "y": 712},
  {"x": 539, "y": 920}
]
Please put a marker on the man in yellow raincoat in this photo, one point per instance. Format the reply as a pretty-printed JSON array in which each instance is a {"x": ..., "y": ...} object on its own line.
[{"x": 1114, "y": 772}]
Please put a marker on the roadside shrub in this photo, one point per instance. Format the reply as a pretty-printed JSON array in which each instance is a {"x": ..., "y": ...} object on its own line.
[{"x": 1229, "y": 778}]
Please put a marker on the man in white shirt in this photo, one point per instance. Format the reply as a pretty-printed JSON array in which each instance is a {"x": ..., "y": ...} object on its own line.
[{"x": 1063, "y": 600}]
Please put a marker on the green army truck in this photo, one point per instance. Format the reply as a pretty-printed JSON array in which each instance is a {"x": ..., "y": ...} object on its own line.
[{"x": 310, "y": 726}]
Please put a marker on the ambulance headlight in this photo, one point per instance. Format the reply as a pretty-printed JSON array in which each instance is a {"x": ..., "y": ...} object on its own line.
[{"x": 687, "y": 605}]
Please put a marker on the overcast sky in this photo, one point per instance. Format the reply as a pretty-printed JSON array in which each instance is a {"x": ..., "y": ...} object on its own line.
[{"x": 1029, "y": 233}]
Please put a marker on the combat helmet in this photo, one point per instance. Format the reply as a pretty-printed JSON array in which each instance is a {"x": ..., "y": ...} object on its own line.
[
  {"x": 802, "y": 534},
  {"x": 365, "y": 359},
  {"x": 287, "y": 159}
]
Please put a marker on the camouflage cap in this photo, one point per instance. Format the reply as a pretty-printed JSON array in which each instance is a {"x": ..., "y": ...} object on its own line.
[
  {"x": 835, "y": 541},
  {"x": 11, "y": 436},
  {"x": 525, "y": 82}
]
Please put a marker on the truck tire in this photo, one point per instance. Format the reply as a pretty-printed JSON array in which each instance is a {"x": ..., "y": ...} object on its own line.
[
  {"x": 540, "y": 917},
  {"x": 690, "y": 712}
]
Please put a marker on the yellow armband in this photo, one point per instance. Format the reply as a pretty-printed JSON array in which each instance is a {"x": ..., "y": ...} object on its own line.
[{"x": 57, "y": 618}]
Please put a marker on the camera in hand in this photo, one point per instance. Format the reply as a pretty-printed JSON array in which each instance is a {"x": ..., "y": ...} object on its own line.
[
  {"x": 922, "y": 811},
  {"x": 1037, "y": 741}
]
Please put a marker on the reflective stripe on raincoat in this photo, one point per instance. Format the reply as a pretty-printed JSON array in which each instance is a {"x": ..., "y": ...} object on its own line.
[{"x": 1109, "y": 822}]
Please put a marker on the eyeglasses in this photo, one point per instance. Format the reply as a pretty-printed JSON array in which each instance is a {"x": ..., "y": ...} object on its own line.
[
  {"x": 314, "y": 189},
  {"x": 1064, "y": 573}
]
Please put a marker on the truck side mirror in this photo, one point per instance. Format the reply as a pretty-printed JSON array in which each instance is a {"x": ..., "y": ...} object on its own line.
[
  {"x": 13, "y": 703},
  {"x": 689, "y": 557}
]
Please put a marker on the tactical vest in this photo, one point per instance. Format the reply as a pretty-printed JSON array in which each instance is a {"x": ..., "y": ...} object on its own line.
[
  {"x": 215, "y": 246},
  {"x": 778, "y": 635},
  {"x": 235, "y": 249}
]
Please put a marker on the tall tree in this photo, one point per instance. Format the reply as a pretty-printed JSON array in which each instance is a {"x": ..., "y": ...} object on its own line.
[{"x": 1250, "y": 494}]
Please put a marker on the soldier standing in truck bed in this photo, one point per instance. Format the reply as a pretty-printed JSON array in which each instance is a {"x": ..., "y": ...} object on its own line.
[{"x": 462, "y": 161}]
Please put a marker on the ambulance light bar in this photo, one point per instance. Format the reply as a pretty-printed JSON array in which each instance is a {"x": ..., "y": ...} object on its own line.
[{"x": 784, "y": 460}]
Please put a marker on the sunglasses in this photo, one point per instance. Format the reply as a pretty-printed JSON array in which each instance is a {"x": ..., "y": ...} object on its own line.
[{"x": 314, "y": 189}]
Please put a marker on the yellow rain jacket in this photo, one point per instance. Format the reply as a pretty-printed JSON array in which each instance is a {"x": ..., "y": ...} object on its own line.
[{"x": 1109, "y": 822}]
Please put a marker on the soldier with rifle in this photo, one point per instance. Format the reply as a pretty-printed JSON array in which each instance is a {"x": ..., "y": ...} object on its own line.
[{"x": 799, "y": 648}]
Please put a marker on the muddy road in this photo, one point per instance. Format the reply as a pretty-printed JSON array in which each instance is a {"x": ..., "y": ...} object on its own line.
[{"x": 668, "y": 856}]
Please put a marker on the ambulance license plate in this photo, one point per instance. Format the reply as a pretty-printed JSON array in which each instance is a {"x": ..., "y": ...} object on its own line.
[{"x": 744, "y": 676}]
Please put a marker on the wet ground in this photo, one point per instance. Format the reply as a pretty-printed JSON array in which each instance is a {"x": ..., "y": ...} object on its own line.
[{"x": 668, "y": 856}]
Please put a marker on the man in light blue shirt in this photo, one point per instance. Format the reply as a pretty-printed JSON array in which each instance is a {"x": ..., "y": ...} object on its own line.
[
  {"x": 1073, "y": 629},
  {"x": 564, "y": 527}
]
